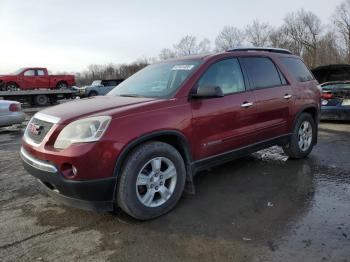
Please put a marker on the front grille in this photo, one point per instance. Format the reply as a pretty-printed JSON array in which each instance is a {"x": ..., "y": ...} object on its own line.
[{"x": 41, "y": 128}]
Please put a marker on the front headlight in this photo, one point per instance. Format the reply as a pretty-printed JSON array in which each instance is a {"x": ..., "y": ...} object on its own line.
[{"x": 82, "y": 131}]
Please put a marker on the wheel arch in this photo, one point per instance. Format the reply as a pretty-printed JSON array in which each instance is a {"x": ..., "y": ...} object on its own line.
[
  {"x": 92, "y": 92},
  {"x": 171, "y": 137},
  {"x": 61, "y": 81},
  {"x": 313, "y": 111},
  {"x": 11, "y": 82}
]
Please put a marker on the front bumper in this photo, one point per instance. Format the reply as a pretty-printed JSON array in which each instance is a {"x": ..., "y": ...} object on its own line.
[
  {"x": 81, "y": 92},
  {"x": 96, "y": 195}
]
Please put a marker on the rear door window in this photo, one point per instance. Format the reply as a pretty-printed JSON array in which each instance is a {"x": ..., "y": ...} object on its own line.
[
  {"x": 111, "y": 83},
  {"x": 262, "y": 72},
  {"x": 40, "y": 72},
  {"x": 29, "y": 73},
  {"x": 297, "y": 69},
  {"x": 226, "y": 74}
]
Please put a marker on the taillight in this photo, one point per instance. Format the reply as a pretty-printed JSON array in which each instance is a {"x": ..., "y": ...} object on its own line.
[
  {"x": 327, "y": 95},
  {"x": 15, "y": 107}
]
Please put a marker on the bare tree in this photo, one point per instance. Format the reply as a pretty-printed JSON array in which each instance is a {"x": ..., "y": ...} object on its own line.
[
  {"x": 328, "y": 51},
  {"x": 279, "y": 39},
  {"x": 166, "y": 53},
  {"x": 341, "y": 20},
  {"x": 204, "y": 46},
  {"x": 110, "y": 71},
  {"x": 258, "y": 33},
  {"x": 188, "y": 46},
  {"x": 230, "y": 37},
  {"x": 304, "y": 29}
]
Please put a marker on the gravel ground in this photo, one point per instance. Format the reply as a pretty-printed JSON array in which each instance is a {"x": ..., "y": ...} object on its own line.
[{"x": 260, "y": 208}]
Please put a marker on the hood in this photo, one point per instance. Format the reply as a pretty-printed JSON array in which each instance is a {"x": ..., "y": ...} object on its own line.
[
  {"x": 4, "y": 77},
  {"x": 93, "y": 106}
]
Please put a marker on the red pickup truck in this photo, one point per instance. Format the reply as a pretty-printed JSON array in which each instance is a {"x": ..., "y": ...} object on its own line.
[{"x": 34, "y": 78}]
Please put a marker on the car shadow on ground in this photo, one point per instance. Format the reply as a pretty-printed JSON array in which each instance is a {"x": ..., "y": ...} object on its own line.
[{"x": 230, "y": 201}]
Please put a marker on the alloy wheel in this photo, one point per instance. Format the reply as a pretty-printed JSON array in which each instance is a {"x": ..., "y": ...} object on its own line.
[
  {"x": 305, "y": 136},
  {"x": 156, "y": 182},
  {"x": 12, "y": 87}
]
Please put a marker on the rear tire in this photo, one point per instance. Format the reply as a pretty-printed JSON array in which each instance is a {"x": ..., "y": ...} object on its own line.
[
  {"x": 12, "y": 86},
  {"x": 41, "y": 100},
  {"x": 152, "y": 180},
  {"x": 303, "y": 137},
  {"x": 61, "y": 85}
]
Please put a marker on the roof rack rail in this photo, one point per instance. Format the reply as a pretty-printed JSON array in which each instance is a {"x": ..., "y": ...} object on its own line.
[{"x": 264, "y": 49}]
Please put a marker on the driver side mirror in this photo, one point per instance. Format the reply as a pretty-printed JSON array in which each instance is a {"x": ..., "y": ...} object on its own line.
[{"x": 208, "y": 92}]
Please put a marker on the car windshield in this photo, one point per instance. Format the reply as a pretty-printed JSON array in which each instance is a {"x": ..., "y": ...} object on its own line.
[
  {"x": 17, "y": 72},
  {"x": 337, "y": 86},
  {"x": 96, "y": 83},
  {"x": 159, "y": 80}
]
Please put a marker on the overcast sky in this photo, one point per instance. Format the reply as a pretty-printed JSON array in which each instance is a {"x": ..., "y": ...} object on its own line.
[{"x": 69, "y": 35}]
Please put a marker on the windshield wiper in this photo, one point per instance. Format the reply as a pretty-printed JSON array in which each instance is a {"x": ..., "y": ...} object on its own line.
[{"x": 130, "y": 95}]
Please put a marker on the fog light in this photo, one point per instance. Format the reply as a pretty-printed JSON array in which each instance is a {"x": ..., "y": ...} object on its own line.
[
  {"x": 75, "y": 170},
  {"x": 68, "y": 170}
]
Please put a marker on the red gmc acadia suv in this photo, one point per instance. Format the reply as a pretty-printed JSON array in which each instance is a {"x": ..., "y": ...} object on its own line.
[{"x": 138, "y": 147}]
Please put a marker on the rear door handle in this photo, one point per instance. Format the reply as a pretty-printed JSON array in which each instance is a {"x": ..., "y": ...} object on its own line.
[
  {"x": 246, "y": 104},
  {"x": 287, "y": 96}
]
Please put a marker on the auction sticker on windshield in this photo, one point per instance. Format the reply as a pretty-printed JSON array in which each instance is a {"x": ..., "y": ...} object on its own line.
[{"x": 182, "y": 67}]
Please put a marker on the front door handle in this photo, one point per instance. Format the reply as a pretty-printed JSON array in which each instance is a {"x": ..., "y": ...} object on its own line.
[
  {"x": 246, "y": 104},
  {"x": 287, "y": 96}
]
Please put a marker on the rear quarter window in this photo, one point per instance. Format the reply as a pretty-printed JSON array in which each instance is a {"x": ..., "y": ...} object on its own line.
[
  {"x": 297, "y": 69},
  {"x": 262, "y": 72}
]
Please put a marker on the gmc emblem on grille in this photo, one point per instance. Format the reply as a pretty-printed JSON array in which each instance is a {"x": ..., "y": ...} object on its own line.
[{"x": 35, "y": 129}]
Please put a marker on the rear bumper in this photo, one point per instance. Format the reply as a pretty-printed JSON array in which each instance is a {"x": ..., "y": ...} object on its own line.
[
  {"x": 12, "y": 119},
  {"x": 335, "y": 113},
  {"x": 96, "y": 195}
]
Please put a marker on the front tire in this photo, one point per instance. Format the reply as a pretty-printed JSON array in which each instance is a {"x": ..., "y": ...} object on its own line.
[
  {"x": 151, "y": 181},
  {"x": 92, "y": 93},
  {"x": 303, "y": 137}
]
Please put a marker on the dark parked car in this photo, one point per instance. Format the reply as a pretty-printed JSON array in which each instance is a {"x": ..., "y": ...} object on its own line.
[
  {"x": 137, "y": 147},
  {"x": 335, "y": 85},
  {"x": 335, "y": 101}
]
